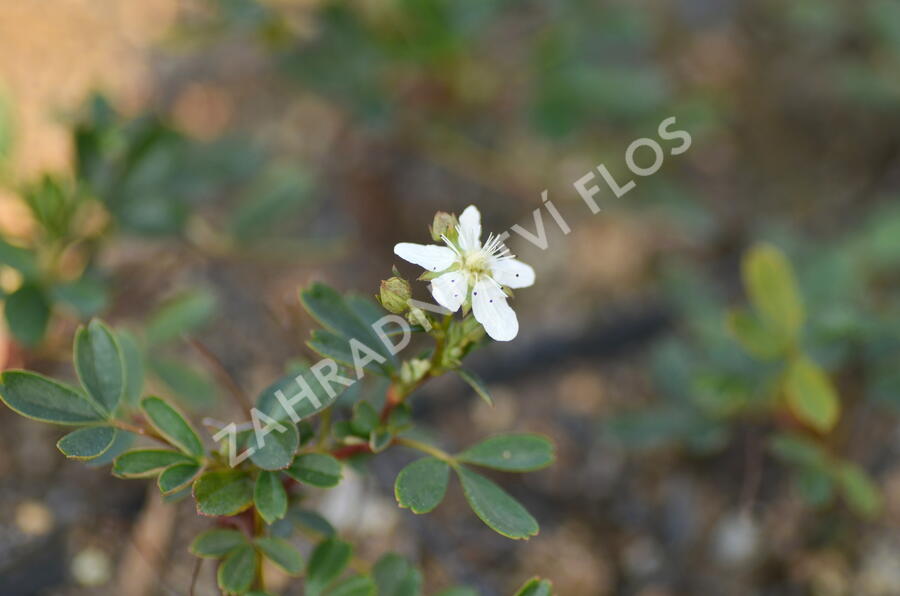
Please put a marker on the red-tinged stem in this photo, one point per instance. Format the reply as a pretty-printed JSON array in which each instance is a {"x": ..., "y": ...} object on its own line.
[{"x": 351, "y": 450}]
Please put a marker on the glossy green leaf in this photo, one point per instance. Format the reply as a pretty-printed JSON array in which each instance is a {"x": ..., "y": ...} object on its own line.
[
  {"x": 536, "y": 587},
  {"x": 238, "y": 570},
  {"x": 476, "y": 383},
  {"x": 142, "y": 463},
  {"x": 421, "y": 485},
  {"x": 27, "y": 313},
  {"x": 177, "y": 477},
  {"x": 327, "y": 562},
  {"x": 495, "y": 507},
  {"x": 316, "y": 469},
  {"x": 282, "y": 553},
  {"x": 395, "y": 576},
  {"x": 278, "y": 448},
  {"x": 270, "y": 497},
  {"x": 100, "y": 364},
  {"x": 87, "y": 443},
  {"x": 215, "y": 544},
  {"x": 754, "y": 336},
  {"x": 770, "y": 283},
  {"x": 224, "y": 492},
  {"x": 172, "y": 425},
  {"x": 811, "y": 396},
  {"x": 859, "y": 490},
  {"x": 37, "y": 397},
  {"x": 511, "y": 453},
  {"x": 180, "y": 315},
  {"x": 355, "y": 585}
]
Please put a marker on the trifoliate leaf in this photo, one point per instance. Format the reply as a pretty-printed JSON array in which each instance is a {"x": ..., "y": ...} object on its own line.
[{"x": 421, "y": 485}]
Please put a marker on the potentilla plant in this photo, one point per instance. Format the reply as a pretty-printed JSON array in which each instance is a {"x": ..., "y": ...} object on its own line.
[{"x": 253, "y": 479}]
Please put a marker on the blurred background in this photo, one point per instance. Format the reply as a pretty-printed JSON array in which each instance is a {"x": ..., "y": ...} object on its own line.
[{"x": 182, "y": 167}]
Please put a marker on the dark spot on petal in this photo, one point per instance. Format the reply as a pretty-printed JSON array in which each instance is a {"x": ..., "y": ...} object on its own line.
[
  {"x": 475, "y": 293},
  {"x": 517, "y": 275},
  {"x": 491, "y": 301}
]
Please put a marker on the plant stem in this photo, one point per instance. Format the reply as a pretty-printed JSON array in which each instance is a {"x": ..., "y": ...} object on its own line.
[{"x": 426, "y": 448}]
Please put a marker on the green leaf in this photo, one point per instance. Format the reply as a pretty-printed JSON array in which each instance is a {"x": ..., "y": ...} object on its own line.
[
  {"x": 754, "y": 336},
  {"x": 326, "y": 564},
  {"x": 37, "y": 397},
  {"x": 457, "y": 591},
  {"x": 380, "y": 440},
  {"x": 224, "y": 492},
  {"x": 278, "y": 448},
  {"x": 511, "y": 453},
  {"x": 337, "y": 347},
  {"x": 395, "y": 576},
  {"x": 171, "y": 424},
  {"x": 811, "y": 396},
  {"x": 215, "y": 544},
  {"x": 316, "y": 469},
  {"x": 87, "y": 443},
  {"x": 142, "y": 463},
  {"x": 536, "y": 587},
  {"x": 180, "y": 315},
  {"x": 311, "y": 521},
  {"x": 20, "y": 259},
  {"x": 134, "y": 367},
  {"x": 100, "y": 364},
  {"x": 27, "y": 314},
  {"x": 122, "y": 443},
  {"x": 770, "y": 283},
  {"x": 270, "y": 497},
  {"x": 355, "y": 585},
  {"x": 282, "y": 553},
  {"x": 177, "y": 477},
  {"x": 274, "y": 199},
  {"x": 815, "y": 486},
  {"x": 329, "y": 308},
  {"x": 365, "y": 419},
  {"x": 799, "y": 450},
  {"x": 476, "y": 383},
  {"x": 860, "y": 492},
  {"x": 495, "y": 507},
  {"x": 194, "y": 386},
  {"x": 86, "y": 295},
  {"x": 238, "y": 570},
  {"x": 421, "y": 485},
  {"x": 304, "y": 405}
]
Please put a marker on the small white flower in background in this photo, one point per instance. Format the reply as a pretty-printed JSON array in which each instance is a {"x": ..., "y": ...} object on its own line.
[{"x": 467, "y": 264}]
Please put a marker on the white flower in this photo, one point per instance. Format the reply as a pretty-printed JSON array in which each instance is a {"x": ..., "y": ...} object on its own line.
[{"x": 470, "y": 265}]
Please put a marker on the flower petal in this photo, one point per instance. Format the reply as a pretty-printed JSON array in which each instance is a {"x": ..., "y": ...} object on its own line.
[
  {"x": 512, "y": 273},
  {"x": 470, "y": 228},
  {"x": 428, "y": 256},
  {"x": 450, "y": 290},
  {"x": 491, "y": 310}
]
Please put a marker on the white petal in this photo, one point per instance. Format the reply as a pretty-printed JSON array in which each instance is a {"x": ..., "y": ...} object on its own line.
[
  {"x": 428, "y": 256},
  {"x": 491, "y": 310},
  {"x": 513, "y": 273},
  {"x": 450, "y": 290},
  {"x": 470, "y": 228}
]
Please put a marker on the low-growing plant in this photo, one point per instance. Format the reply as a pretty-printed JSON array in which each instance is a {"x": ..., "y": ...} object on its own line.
[{"x": 253, "y": 478}]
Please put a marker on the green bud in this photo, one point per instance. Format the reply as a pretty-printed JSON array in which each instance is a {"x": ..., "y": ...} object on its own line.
[
  {"x": 444, "y": 225},
  {"x": 412, "y": 371},
  {"x": 395, "y": 295}
]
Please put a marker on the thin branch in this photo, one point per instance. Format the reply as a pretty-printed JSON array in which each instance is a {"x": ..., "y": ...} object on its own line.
[{"x": 222, "y": 373}]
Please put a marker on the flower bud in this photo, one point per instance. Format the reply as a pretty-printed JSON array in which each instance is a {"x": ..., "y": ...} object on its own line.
[
  {"x": 444, "y": 225},
  {"x": 395, "y": 295}
]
